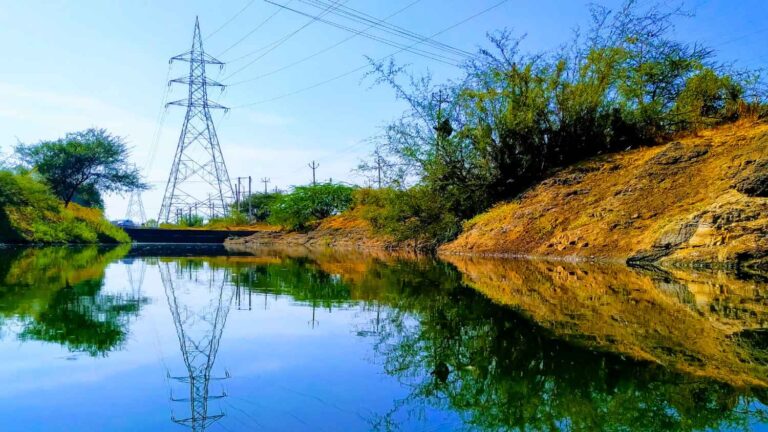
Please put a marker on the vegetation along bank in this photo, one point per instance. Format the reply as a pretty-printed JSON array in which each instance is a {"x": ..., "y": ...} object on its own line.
[{"x": 624, "y": 144}]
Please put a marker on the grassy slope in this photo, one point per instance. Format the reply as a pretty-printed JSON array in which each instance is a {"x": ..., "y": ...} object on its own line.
[
  {"x": 673, "y": 203},
  {"x": 57, "y": 224}
]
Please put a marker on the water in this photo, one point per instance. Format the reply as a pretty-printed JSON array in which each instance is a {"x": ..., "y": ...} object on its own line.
[{"x": 96, "y": 339}]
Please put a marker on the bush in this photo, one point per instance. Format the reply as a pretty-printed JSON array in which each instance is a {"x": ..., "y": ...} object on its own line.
[
  {"x": 308, "y": 204},
  {"x": 29, "y": 212},
  {"x": 413, "y": 214},
  {"x": 514, "y": 118},
  {"x": 260, "y": 205},
  {"x": 235, "y": 218}
]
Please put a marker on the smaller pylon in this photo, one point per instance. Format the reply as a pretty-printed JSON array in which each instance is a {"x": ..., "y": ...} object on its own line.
[{"x": 135, "y": 210}]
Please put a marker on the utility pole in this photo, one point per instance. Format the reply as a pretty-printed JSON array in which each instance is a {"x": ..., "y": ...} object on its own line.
[
  {"x": 240, "y": 191},
  {"x": 265, "y": 180},
  {"x": 378, "y": 169},
  {"x": 237, "y": 194},
  {"x": 250, "y": 201},
  {"x": 314, "y": 165},
  {"x": 198, "y": 158}
]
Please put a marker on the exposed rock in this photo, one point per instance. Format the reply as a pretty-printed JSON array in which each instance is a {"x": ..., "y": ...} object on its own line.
[
  {"x": 668, "y": 241},
  {"x": 674, "y": 204},
  {"x": 754, "y": 182},
  {"x": 677, "y": 153}
]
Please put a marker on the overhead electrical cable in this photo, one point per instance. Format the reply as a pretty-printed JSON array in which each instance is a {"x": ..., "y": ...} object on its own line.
[
  {"x": 226, "y": 23},
  {"x": 350, "y": 72},
  {"x": 285, "y": 38},
  {"x": 253, "y": 30},
  {"x": 393, "y": 43},
  {"x": 364, "y": 18},
  {"x": 324, "y": 50}
]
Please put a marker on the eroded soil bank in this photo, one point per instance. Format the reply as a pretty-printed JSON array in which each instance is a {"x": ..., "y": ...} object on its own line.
[{"x": 700, "y": 201}]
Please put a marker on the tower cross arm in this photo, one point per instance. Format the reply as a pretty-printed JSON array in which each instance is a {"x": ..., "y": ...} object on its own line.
[
  {"x": 197, "y": 104},
  {"x": 198, "y": 57},
  {"x": 187, "y": 80}
]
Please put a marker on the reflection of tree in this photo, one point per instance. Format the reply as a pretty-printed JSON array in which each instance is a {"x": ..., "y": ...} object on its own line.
[
  {"x": 82, "y": 319},
  {"x": 458, "y": 351},
  {"x": 496, "y": 367},
  {"x": 300, "y": 279},
  {"x": 199, "y": 302},
  {"x": 56, "y": 295}
]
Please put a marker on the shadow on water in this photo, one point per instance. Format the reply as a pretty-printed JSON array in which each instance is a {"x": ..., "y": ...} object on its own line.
[{"x": 502, "y": 344}]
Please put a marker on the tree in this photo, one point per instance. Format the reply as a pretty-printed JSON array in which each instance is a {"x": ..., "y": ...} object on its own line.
[
  {"x": 85, "y": 162},
  {"x": 307, "y": 204}
]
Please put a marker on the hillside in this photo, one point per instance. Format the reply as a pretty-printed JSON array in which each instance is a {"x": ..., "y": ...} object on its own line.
[
  {"x": 30, "y": 213},
  {"x": 700, "y": 200}
]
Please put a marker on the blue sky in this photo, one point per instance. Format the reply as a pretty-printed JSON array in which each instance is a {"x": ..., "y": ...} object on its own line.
[{"x": 70, "y": 65}]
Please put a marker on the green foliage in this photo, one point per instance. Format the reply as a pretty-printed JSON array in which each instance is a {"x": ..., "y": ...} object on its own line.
[
  {"x": 29, "y": 212},
  {"x": 260, "y": 205},
  {"x": 190, "y": 221},
  {"x": 514, "y": 118},
  {"x": 708, "y": 99},
  {"x": 412, "y": 214},
  {"x": 87, "y": 162},
  {"x": 308, "y": 204},
  {"x": 55, "y": 293},
  {"x": 235, "y": 218}
]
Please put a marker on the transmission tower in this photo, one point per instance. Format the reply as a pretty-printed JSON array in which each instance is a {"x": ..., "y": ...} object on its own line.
[
  {"x": 199, "y": 306},
  {"x": 199, "y": 177},
  {"x": 135, "y": 210}
]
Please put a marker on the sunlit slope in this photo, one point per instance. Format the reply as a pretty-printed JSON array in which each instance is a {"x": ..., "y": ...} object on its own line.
[
  {"x": 700, "y": 324},
  {"x": 676, "y": 202}
]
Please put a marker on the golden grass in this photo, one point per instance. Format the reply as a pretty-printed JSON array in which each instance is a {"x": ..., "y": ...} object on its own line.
[
  {"x": 613, "y": 206},
  {"x": 647, "y": 316}
]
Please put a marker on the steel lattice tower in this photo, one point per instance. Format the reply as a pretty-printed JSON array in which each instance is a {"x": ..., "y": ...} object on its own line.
[
  {"x": 135, "y": 210},
  {"x": 199, "y": 181}
]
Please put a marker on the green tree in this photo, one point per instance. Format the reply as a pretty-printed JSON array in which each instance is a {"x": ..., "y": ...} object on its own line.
[
  {"x": 87, "y": 162},
  {"x": 307, "y": 204}
]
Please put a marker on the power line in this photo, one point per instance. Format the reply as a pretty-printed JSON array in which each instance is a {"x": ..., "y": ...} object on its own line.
[
  {"x": 239, "y": 41},
  {"x": 284, "y": 39},
  {"x": 350, "y": 72},
  {"x": 226, "y": 23},
  {"x": 362, "y": 17},
  {"x": 324, "y": 50},
  {"x": 450, "y": 58}
]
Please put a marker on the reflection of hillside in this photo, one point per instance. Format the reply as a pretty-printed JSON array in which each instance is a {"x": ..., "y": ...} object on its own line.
[
  {"x": 677, "y": 320},
  {"x": 582, "y": 348},
  {"x": 55, "y": 295}
]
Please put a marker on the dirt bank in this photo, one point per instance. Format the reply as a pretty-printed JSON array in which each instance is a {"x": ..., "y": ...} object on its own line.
[
  {"x": 346, "y": 231},
  {"x": 695, "y": 201}
]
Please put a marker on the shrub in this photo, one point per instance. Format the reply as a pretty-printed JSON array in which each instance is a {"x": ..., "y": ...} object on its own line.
[
  {"x": 413, "y": 214},
  {"x": 260, "y": 205},
  {"x": 29, "y": 212},
  {"x": 308, "y": 204}
]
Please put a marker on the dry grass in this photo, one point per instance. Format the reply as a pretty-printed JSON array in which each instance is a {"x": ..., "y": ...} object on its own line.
[
  {"x": 677, "y": 321},
  {"x": 614, "y": 206}
]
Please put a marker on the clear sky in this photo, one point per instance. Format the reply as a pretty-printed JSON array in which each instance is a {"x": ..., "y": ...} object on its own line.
[{"x": 70, "y": 65}]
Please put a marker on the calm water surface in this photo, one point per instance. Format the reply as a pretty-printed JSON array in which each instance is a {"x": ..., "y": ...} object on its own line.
[{"x": 96, "y": 339}]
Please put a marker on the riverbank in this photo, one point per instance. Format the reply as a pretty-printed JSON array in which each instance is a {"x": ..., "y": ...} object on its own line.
[
  {"x": 698, "y": 201},
  {"x": 31, "y": 213}
]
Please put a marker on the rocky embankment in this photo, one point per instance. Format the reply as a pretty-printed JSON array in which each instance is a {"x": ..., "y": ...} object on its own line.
[{"x": 698, "y": 201}]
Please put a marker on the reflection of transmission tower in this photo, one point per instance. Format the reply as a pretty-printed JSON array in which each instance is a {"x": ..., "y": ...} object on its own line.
[
  {"x": 135, "y": 210},
  {"x": 199, "y": 306},
  {"x": 199, "y": 177},
  {"x": 136, "y": 270}
]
